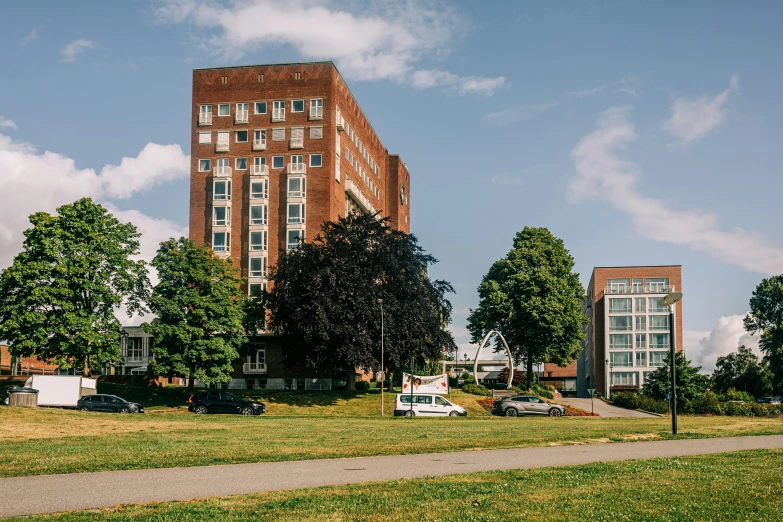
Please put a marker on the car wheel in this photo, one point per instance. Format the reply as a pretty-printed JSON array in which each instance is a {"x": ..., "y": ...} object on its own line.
[
  {"x": 554, "y": 412},
  {"x": 124, "y": 409},
  {"x": 85, "y": 408},
  {"x": 246, "y": 410},
  {"x": 454, "y": 414},
  {"x": 409, "y": 413},
  {"x": 511, "y": 412},
  {"x": 201, "y": 410}
]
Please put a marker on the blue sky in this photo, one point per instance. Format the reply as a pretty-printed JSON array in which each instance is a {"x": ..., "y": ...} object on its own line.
[{"x": 639, "y": 133}]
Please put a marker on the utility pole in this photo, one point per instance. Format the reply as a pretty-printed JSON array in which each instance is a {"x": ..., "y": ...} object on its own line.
[
  {"x": 670, "y": 300},
  {"x": 383, "y": 371}
]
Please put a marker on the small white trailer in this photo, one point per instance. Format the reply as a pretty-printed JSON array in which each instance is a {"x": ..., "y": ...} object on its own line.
[{"x": 61, "y": 391}]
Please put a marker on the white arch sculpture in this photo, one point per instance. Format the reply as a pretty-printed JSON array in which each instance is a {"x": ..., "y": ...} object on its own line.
[{"x": 508, "y": 352}]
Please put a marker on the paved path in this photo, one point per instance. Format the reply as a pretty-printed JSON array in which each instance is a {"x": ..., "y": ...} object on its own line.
[
  {"x": 51, "y": 493},
  {"x": 603, "y": 409}
]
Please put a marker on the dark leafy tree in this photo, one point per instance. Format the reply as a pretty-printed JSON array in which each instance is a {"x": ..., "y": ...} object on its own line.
[
  {"x": 690, "y": 383},
  {"x": 766, "y": 317},
  {"x": 199, "y": 328},
  {"x": 744, "y": 372},
  {"x": 533, "y": 297},
  {"x": 324, "y": 300},
  {"x": 519, "y": 378},
  {"x": 58, "y": 298}
]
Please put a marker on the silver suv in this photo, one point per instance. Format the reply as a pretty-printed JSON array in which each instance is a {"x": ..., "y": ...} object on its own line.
[{"x": 526, "y": 405}]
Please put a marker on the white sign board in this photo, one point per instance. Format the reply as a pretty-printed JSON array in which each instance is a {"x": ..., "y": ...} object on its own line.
[{"x": 425, "y": 383}]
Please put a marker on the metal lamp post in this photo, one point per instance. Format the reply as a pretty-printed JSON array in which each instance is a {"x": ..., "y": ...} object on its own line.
[
  {"x": 383, "y": 371},
  {"x": 670, "y": 300},
  {"x": 608, "y": 376}
]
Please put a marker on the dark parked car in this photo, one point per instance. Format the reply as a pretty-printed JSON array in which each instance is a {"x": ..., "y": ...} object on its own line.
[
  {"x": 768, "y": 400},
  {"x": 222, "y": 402},
  {"x": 108, "y": 403},
  {"x": 526, "y": 405}
]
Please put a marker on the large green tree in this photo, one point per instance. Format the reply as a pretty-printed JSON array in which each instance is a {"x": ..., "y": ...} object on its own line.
[
  {"x": 690, "y": 382},
  {"x": 324, "y": 300},
  {"x": 200, "y": 312},
  {"x": 58, "y": 298},
  {"x": 742, "y": 371},
  {"x": 533, "y": 297},
  {"x": 766, "y": 316}
]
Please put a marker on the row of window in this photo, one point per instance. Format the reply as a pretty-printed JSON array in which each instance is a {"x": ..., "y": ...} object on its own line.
[
  {"x": 622, "y": 305},
  {"x": 657, "y": 341},
  {"x": 278, "y": 162},
  {"x": 259, "y": 189},
  {"x": 623, "y": 323},
  {"x": 637, "y": 359},
  {"x": 242, "y": 110},
  {"x": 221, "y": 241},
  {"x": 638, "y": 285},
  {"x": 259, "y": 136},
  {"x": 354, "y": 137},
  {"x": 362, "y": 173},
  {"x": 221, "y": 216},
  {"x": 628, "y": 378}
]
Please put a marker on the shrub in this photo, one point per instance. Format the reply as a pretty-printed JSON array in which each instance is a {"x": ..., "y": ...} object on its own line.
[
  {"x": 706, "y": 403},
  {"x": 735, "y": 395},
  {"x": 486, "y": 403},
  {"x": 477, "y": 389},
  {"x": 634, "y": 401},
  {"x": 362, "y": 386},
  {"x": 542, "y": 392}
]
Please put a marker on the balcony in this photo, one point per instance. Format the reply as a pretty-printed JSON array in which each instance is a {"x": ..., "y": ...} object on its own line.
[
  {"x": 297, "y": 168},
  {"x": 627, "y": 290},
  {"x": 278, "y": 115},
  {"x": 316, "y": 113},
  {"x": 221, "y": 147},
  {"x": 259, "y": 144},
  {"x": 205, "y": 118},
  {"x": 136, "y": 359},
  {"x": 221, "y": 172},
  {"x": 254, "y": 367},
  {"x": 363, "y": 201},
  {"x": 340, "y": 124},
  {"x": 259, "y": 170},
  {"x": 295, "y": 143},
  {"x": 240, "y": 117}
]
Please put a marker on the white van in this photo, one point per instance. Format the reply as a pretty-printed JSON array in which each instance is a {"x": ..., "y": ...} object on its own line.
[{"x": 426, "y": 405}]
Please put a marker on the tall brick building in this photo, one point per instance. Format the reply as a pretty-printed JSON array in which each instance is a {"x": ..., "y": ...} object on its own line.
[
  {"x": 276, "y": 151},
  {"x": 628, "y": 331}
]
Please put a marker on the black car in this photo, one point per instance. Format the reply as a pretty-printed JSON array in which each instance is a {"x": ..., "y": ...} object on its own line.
[
  {"x": 222, "y": 402},
  {"x": 768, "y": 400},
  {"x": 108, "y": 403}
]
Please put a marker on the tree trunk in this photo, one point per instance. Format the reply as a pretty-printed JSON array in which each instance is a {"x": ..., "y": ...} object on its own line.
[
  {"x": 389, "y": 386},
  {"x": 529, "y": 373},
  {"x": 86, "y": 368},
  {"x": 350, "y": 380},
  {"x": 191, "y": 379}
]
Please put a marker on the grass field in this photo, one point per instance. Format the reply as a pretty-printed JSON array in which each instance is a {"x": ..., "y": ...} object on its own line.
[{"x": 724, "y": 487}]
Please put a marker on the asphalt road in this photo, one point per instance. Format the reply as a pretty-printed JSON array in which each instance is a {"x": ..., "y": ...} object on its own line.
[
  {"x": 603, "y": 409},
  {"x": 52, "y": 493}
]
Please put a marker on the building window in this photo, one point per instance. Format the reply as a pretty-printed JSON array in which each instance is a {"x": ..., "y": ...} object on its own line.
[
  {"x": 241, "y": 163},
  {"x": 623, "y": 378},
  {"x": 257, "y": 267},
  {"x": 278, "y": 111},
  {"x": 258, "y": 240},
  {"x": 297, "y": 158},
  {"x": 638, "y": 286},
  {"x": 221, "y": 241},
  {"x": 222, "y": 141},
  {"x": 659, "y": 341},
  {"x": 258, "y": 214},
  {"x": 278, "y": 134},
  {"x": 242, "y": 112},
  {"x": 620, "y": 342},
  {"x": 297, "y": 137},
  {"x": 316, "y": 160},
  {"x": 316, "y": 108},
  {"x": 278, "y": 162},
  {"x": 620, "y": 306},
  {"x": 224, "y": 109},
  {"x": 317, "y": 133},
  {"x": 658, "y": 284},
  {"x": 641, "y": 323},
  {"x": 294, "y": 238},
  {"x": 296, "y": 213},
  {"x": 204, "y": 165},
  {"x": 296, "y": 188},
  {"x": 620, "y": 323},
  {"x": 258, "y": 189},
  {"x": 657, "y": 359},
  {"x": 297, "y": 105},
  {"x": 654, "y": 305},
  {"x": 222, "y": 190},
  {"x": 617, "y": 286},
  {"x": 659, "y": 322},
  {"x": 640, "y": 304},
  {"x": 241, "y": 136},
  {"x": 641, "y": 359},
  {"x": 221, "y": 216},
  {"x": 254, "y": 290},
  {"x": 622, "y": 359},
  {"x": 204, "y": 138},
  {"x": 260, "y": 107},
  {"x": 297, "y": 76},
  {"x": 641, "y": 341}
]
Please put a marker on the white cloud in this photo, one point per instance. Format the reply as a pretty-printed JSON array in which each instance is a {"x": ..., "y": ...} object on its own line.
[
  {"x": 35, "y": 181},
  {"x": 73, "y": 49},
  {"x": 630, "y": 86},
  {"x": 29, "y": 38},
  {"x": 691, "y": 120},
  {"x": 586, "y": 92},
  {"x": 703, "y": 347},
  {"x": 8, "y": 124},
  {"x": 377, "y": 41},
  {"x": 601, "y": 174},
  {"x": 516, "y": 114}
]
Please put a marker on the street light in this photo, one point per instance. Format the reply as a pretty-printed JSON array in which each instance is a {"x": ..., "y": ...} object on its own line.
[
  {"x": 669, "y": 300},
  {"x": 608, "y": 376},
  {"x": 383, "y": 372}
]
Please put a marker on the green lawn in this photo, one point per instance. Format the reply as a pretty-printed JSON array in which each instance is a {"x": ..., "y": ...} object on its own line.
[
  {"x": 731, "y": 486},
  {"x": 41, "y": 441}
]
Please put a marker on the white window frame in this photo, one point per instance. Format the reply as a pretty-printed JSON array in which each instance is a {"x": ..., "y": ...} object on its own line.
[
  {"x": 258, "y": 273},
  {"x": 228, "y": 190},
  {"x": 236, "y": 136},
  {"x": 259, "y": 160},
  {"x": 209, "y": 165},
  {"x": 302, "y": 193},
  {"x": 264, "y": 194},
  {"x": 295, "y": 220},
  {"x": 262, "y": 246},
  {"x": 255, "y": 107},
  {"x": 227, "y": 237},
  {"x": 236, "y": 163},
  {"x": 226, "y": 222},
  {"x": 294, "y": 111},
  {"x": 264, "y": 211},
  {"x": 289, "y": 245},
  {"x": 317, "y": 133},
  {"x": 224, "y": 105},
  {"x": 208, "y": 141},
  {"x": 273, "y": 162},
  {"x": 276, "y": 133},
  {"x": 321, "y": 156}
]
